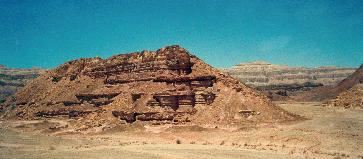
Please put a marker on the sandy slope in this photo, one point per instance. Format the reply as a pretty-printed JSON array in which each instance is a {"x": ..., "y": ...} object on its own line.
[{"x": 328, "y": 133}]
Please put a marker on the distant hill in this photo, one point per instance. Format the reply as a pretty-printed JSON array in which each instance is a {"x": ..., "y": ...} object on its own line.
[
  {"x": 279, "y": 81},
  {"x": 330, "y": 92},
  {"x": 12, "y": 79}
]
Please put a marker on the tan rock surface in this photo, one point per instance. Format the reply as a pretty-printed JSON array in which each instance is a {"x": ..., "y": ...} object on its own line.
[
  {"x": 11, "y": 80},
  {"x": 263, "y": 74},
  {"x": 166, "y": 86},
  {"x": 352, "y": 98},
  {"x": 327, "y": 93},
  {"x": 278, "y": 82}
]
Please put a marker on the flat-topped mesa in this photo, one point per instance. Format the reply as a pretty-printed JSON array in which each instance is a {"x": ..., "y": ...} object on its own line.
[{"x": 169, "y": 85}]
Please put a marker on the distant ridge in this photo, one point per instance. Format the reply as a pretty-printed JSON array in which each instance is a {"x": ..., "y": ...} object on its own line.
[
  {"x": 255, "y": 63},
  {"x": 262, "y": 73},
  {"x": 331, "y": 92},
  {"x": 280, "y": 81},
  {"x": 12, "y": 79}
]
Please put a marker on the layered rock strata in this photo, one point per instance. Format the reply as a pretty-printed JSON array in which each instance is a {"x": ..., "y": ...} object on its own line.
[
  {"x": 327, "y": 93},
  {"x": 279, "y": 81},
  {"x": 165, "y": 86}
]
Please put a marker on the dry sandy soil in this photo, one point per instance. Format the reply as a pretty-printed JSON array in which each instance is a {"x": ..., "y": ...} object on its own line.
[{"x": 327, "y": 133}]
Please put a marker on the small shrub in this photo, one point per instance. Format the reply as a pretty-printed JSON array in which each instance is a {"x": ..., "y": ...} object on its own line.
[
  {"x": 56, "y": 79},
  {"x": 12, "y": 106},
  {"x": 2, "y": 101},
  {"x": 178, "y": 141},
  {"x": 222, "y": 143}
]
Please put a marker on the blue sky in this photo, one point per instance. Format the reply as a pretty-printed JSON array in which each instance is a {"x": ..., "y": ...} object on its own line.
[{"x": 46, "y": 33}]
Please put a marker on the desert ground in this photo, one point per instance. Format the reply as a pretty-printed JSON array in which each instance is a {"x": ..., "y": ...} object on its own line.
[{"x": 327, "y": 132}]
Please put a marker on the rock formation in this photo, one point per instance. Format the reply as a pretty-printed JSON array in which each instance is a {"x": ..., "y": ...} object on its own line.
[
  {"x": 330, "y": 92},
  {"x": 351, "y": 98},
  {"x": 166, "y": 86},
  {"x": 12, "y": 80},
  {"x": 279, "y": 81}
]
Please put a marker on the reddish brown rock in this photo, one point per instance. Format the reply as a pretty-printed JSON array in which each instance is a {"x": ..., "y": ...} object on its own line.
[
  {"x": 351, "y": 98},
  {"x": 169, "y": 84},
  {"x": 12, "y": 80}
]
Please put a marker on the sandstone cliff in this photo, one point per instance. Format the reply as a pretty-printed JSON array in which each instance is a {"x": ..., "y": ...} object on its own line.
[{"x": 165, "y": 86}]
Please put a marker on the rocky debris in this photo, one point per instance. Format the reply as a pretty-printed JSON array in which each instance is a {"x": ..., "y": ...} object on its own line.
[
  {"x": 61, "y": 112},
  {"x": 247, "y": 113},
  {"x": 131, "y": 117},
  {"x": 12, "y": 80},
  {"x": 327, "y": 93},
  {"x": 95, "y": 99},
  {"x": 274, "y": 79},
  {"x": 127, "y": 116},
  {"x": 169, "y": 85},
  {"x": 352, "y": 98}
]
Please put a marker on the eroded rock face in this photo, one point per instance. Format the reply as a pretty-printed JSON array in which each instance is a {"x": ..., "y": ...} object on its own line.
[
  {"x": 168, "y": 85},
  {"x": 280, "y": 81}
]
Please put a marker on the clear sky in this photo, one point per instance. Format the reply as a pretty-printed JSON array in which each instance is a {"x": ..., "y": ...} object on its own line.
[{"x": 46, "y": 33}]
